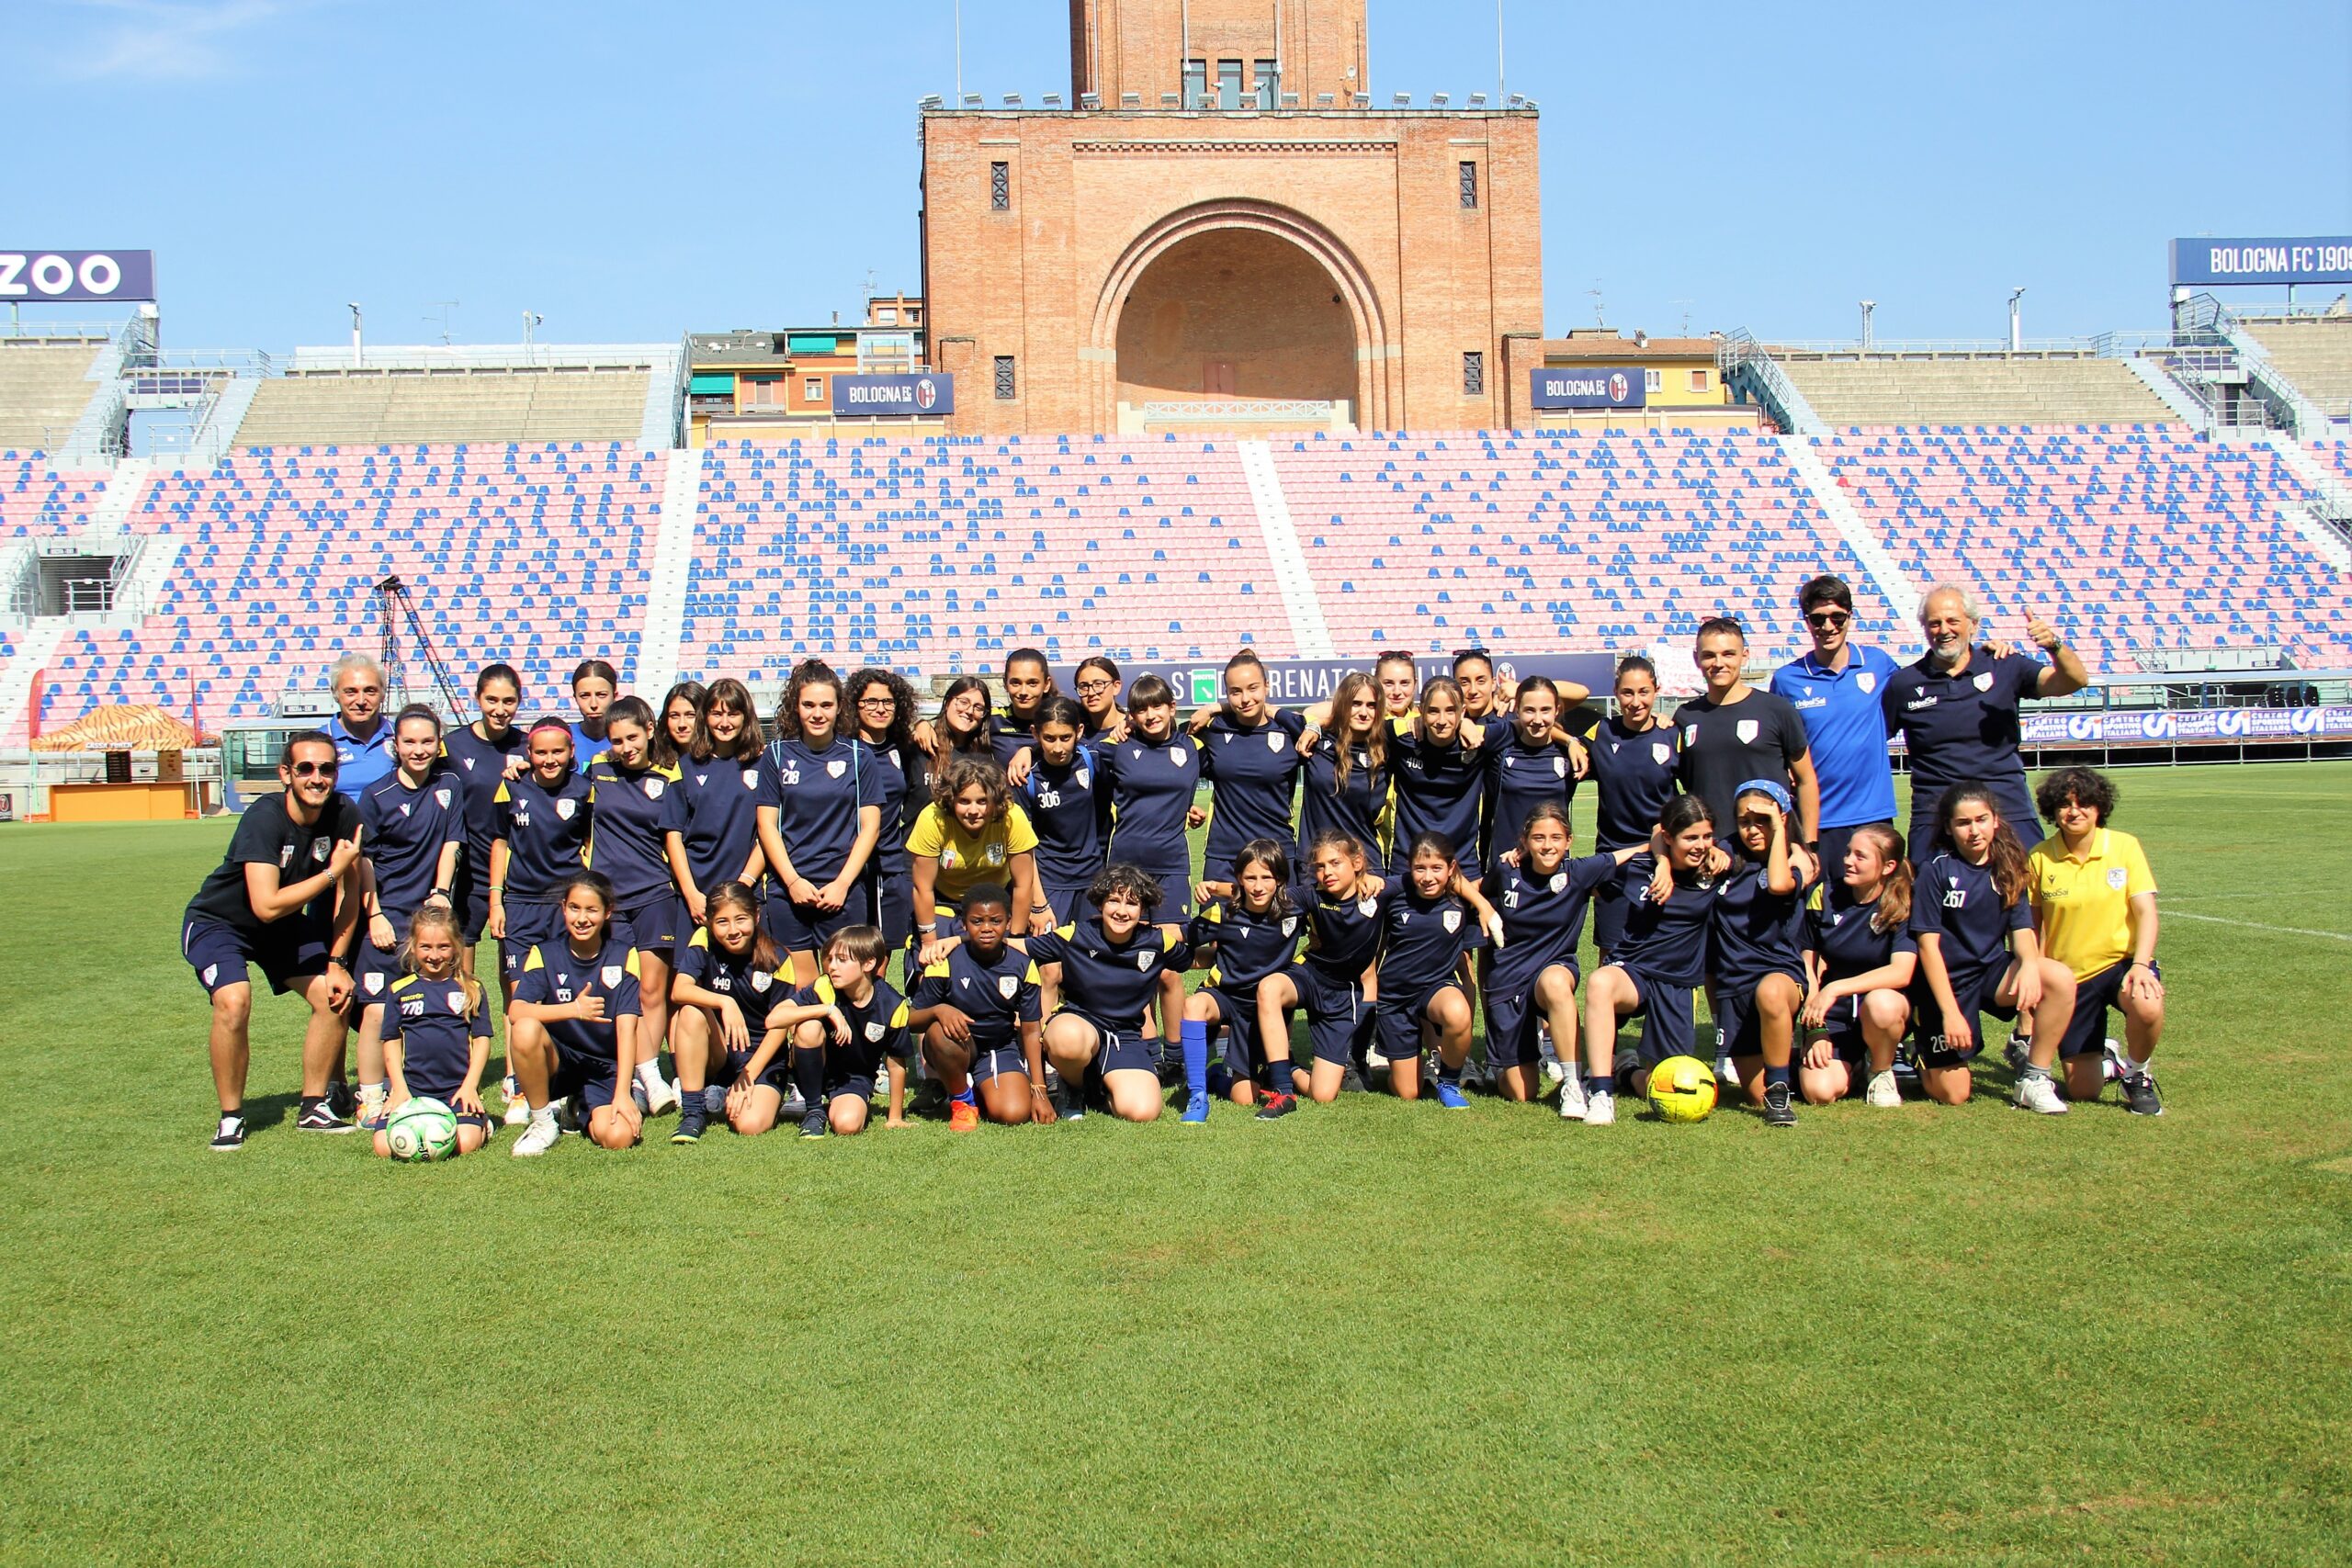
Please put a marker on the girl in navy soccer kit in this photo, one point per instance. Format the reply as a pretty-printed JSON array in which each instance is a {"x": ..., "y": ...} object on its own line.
[
  {"x": 1113, "y": 962},
  {"x": 1540, "y": 893},
  {"x": 571, "y": 1027},
  {"x": 819, "y": 820},
  {"x": 415, "y": 822},
  {"x": 838, "y": 1060},
  {"x": 881, "y": 706},
  {"x": 1153, "y": 774},
  {"x": 543, "y": 823},
  {"x": 1252, "y": 926},
  {"x": 1660, "y": 958},
  {"x": 1756, "y": 947},
  {"x": 1429, "y": 921},
  {"x": 484, "y": 754},
  {"x": 1333, "y": 981},
  {"x": 1068, "y": 801},
  {"x": 1344, "y": 787},
  {"x": 1250, "y": 754},
  {"x": 595, "y": 683},
  {"x": 979, "y": 1012},
  {"x": 681, "y": 710},
  {"x": 1632, "y": 758},
  {"x": 1972, "y": 917},
  {"x": 728, "y": 977},
  {"x": 710, "y": 829},
  {"x": 1438, "y": 777},
  {"x": 625, "y": 788},
  {"x": 1530, "y": 762},
  {"x": 436, "y": 1033},
  {"x": 1861, "y": 959}
]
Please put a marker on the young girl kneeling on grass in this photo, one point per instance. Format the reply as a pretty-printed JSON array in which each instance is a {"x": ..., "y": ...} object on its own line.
[
  {"x": 977, "y": 1012},
  {"x": 1658, "y": 957},
  {"x": 1862, "y": 958},
  {"x": 1333, "y": 980},
  {"x": 1112, "y": 962},
  {"x": 572, "y": 1028},
  {"x": 1253, "y": 924},
  {"x": 437, "y": 1030},
  {"x": 1428, "y": 922},
  {"x": 836, "y": 1076},
  {"x": 731, "y": 983},
  {"x": 1755, "y": 948}
]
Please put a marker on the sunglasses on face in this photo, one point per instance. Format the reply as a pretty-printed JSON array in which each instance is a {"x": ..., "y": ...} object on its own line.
[
  {"x": 313, "y": 770},
  {"x": 1827, "y": 619}
]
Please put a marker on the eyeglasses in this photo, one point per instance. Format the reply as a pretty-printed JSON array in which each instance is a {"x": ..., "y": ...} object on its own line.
[
  {"x": 312, "y": 770},
  {"x": 878, "y": 702},
  {"x": 1094, "y": 688},
  {"x": 1827, "y": 619}
]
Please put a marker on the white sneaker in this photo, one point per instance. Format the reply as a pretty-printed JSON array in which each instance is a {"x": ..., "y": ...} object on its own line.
[
  {"x": 2111, "y": 1062},
  {"x": 1573, "y": 1105},
  {"x": 518, "y": 1110},
  {"x": 537, "y": 1138},
  {"x": 1883, "y": 1092},
  {"x": 1600, "y": 1108},
  {"x": 661, "y": 1095},
  {"x": 2037, "y": 1093}
]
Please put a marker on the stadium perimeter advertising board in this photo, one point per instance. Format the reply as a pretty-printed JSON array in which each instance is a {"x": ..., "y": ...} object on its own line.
[
  {"x": 75, "y": 277},
  {"x": 2325, "y": 258},
  {"x": 1199, "y": 683},
  {"x": 864, "y": 397},
  {"x": 1588, "y": 387}
]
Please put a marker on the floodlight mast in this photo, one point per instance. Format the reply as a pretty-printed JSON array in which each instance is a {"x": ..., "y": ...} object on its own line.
[{"x": 397, "y": 617}]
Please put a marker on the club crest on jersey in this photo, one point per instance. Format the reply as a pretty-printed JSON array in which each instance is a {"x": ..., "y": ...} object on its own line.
[
  {"x": 837, "y": 767},
  {"x": 654, "y": 786},
  {"x": 875, "y": 1030},
  {"x": 1451, "y": 921},
  {"x": 613, "y": 974},
  {"x": 1290, "y": 925},
  {"x": 1085, "y": 777},
  {"x": 1006, "y": 984},
  {"x": 1868, "y": 681},
  {"x": 2117, "y": 876},
  {"x": 762, "y": 980},
  {"x": 1660, "y": 751},
  {"x": 1274, "y": 742},
  {"x": 1176, "y": 755},
  {"x": 374, "y": 984},
  {"x": 751, "y": 781},
  {"x": 1984, "y": 681},
  {"x": 1689, "y": 736},
  {"x": 1143, "y": 960},
  {"x": 1559, "y": 767},
  {"x": 1367, "y": 908},
  {"x": 456, "y": 1000},
  {"x": 322, "y": 848},
  {"x": 564, "y": 808},
  {"x": 1746, "y": 729},
  {"x": 441, "y": 797},
  {"x": 285, "y": 856},
  {"x": 1559, "y": 882}
]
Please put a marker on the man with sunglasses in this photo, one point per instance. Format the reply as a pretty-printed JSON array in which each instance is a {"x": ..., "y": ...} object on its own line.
[
  {"x": 287, "y": 897},
  {"x": 1836, "y": 691}
]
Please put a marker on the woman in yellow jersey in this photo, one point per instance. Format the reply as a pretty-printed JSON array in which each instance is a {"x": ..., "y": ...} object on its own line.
[
  {"x": 970, "y": 834},
  {"x": 2094, "y": 907}
]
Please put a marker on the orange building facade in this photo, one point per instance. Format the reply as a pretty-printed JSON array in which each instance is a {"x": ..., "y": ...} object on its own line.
[{"x": 1220, "y": 231}]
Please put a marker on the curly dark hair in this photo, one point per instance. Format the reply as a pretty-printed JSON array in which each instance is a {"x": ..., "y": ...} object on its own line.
[
  {"x": 1132, "y": 880},
  {"x": 963, "y": 771},
  {"x": 2081, "y": 787},
  {"x": 806, "y": 673}
]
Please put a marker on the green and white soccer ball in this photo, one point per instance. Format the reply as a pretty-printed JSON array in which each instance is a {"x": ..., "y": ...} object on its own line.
[{"x": 422, "y": 1131}]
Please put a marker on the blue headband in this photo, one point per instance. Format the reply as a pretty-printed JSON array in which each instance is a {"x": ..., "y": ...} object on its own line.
[{"x": 1770, "y": 790}]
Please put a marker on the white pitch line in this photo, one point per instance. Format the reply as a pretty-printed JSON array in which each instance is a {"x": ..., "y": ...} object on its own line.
[{"x": 2254, "y": 925}]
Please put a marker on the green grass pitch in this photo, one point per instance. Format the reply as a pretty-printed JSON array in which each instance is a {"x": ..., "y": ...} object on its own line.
[{"x": 1374, "y": 1333}]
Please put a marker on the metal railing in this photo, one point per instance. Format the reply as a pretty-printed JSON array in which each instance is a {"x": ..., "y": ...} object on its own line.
[
  {"x": 1748, "y": 371},
  {"x": 2101, "y": 345}
]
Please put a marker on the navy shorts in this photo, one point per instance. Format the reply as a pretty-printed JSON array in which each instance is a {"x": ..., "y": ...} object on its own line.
[
  {"x": 469, "y": 896},
  {"x": 1843, "y": 1029},
  {"x": 374, "y": 968},
  {"x": 1339, "y": 1020},
  {"x": 1610, "y": 910},
  {"x": 1245, "y": 1045},
  {"x": 219, "y": 954},
  {"x": 649, "y": 923},
  {"x": 804, "y": 928},
  {"x": 1068, "y": 899},
  {"x": 892, "y": 895},
  {"x": 859, "y": 1087},
  {"x": 446, "y": 1093},
  {"x": 995, "y": 1061},
  {"x": 1120, "y": 1050},
  {"x": 2086, "y": 1031},
  {"x": 592, "y": 1078},
  {"x": 1397, "y": 1026},
  {"x": 1975, "y": 995},
  {"x": 1669, "y": 1028},
  {"x": 1514, "y": 1022},
  {"x": 1738, "y": 1027},
  {"x": 776, "y": 1075},
  {"x": 528, "y": 924}
]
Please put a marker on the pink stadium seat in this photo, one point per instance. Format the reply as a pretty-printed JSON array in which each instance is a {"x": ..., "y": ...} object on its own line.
[{"x": 37, "y": 501}]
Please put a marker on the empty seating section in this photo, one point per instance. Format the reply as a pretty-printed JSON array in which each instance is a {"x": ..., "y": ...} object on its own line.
[
  {"x": 2314, "y": 351},
  {"x": 2126, "y": 539},
  {"x": 1969, "y": 390},
  {"x": 535, "y": 555},
  {"x": 2337, "y": 455},
  {"x": 36, "y": 500},
  {"x": 932, "y": 555},
  {"x": 364, "y": 408},
  {"x": 44, "y": 387},
  {"x": 1586, "y": 542}
]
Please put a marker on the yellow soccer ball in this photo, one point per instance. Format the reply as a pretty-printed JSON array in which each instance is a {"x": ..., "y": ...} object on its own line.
[{"x": 1684, "y": 1088}]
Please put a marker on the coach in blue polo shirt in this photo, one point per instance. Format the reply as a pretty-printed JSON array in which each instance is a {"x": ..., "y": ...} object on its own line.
[
  {"x": 1835, "y": 689},
  {"x": 1957, "y": 711},
  {"x": 363, "y": 741}
]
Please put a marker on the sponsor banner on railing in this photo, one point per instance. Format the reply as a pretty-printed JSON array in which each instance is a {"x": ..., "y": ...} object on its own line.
[
  {"x": 1588, "y": 387},
  {"x": 65, "y": 277},
  {"x": 1295, "y": 682},
  {"x": 2325, "y": 258},
  {"x": 863, "y": 397},
  {"x": 2187, "y": 726}
]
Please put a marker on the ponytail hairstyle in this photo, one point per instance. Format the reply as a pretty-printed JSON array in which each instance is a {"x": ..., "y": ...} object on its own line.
[
  {"x": 1337, "y": 839},
  {"x": 736, "y": 697},
  {"x": 1374, "y": 741},
  {"x": 445, "y": 919},
  {"x": 1270, "y": 854},
  {"x": 416, "y": 710},
  {"x": 634, "y": 709},
  {"x": 1058, "y": 709},
  {"x": 740, "y": 895},
  {"x": 1436, "y": 685},
  {"x": 1430, "y": 841},
  {"x": 1894, "y": 896},
  {"x": 1245, "y": 659},
  {"x": 595, "y": 881},
  {"x": 806, "y": 673},
  {"x": 1544, "y": 811},
  {"x": 595, "y": 669},
  {"x": 1684, "y": 813},
  {"x": 2006, "y": 857},
  {"x": 499, "y": 672},
  {"x": 1393, "y": 656}
]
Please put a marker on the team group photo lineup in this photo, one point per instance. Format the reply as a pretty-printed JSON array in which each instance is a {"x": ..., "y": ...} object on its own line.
[{"x": 862, "y": 903}]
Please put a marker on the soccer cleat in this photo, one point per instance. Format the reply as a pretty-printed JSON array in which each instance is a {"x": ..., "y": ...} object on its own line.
[
  {"x": 1196, "y": 1109},
  {"x": 2018, "y": 1055},
  {"x": 1352, "y": 1081},
  {"x": 375, "y": 1113},
  {"x": 664, "y": 1097},
  {"x": 2140, "y": 1095},
  {"x": 1777, "y": 1109},
  {"x": 2038, "y": 1094},
  {"x": 518, "y": 1110},
  {"x": 1171, "y": 1065},
  {"x": 691, "y": 1119},
  {"x": 230, "y": 1137},
  {"x": 1572, "y": 1098},
  {"x": 537, "y": 1138},
  {"x": 1600, "y": 1108},
  {"x": 1552, "y": 1076},
  {"x": 2114, "y": 1067},
  {"x": 321, "y": 1118},
  {"x": 638, "y": 1097},
  {"x": 795, "y": 1106},
  {"x": 1450, "y": 1095},
  {"x": 1274, "y": 1107},
  {"x": 1069, "y": 1102},
  {"x": 1883, "y": 1093},
  {"x": 963, "y": 1117},
  {"x": 813, "y": 1122},
  {"x": 569, "y": 1116}
]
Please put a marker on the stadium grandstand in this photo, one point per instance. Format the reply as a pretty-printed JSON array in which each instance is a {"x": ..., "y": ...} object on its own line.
[
  {"x": 44, "y": 388},
  {"x": 2312, "y": 352},
  {"x": 1852, "y": 388}
]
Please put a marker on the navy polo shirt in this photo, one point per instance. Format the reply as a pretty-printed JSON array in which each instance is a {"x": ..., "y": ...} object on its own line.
[
  {"x": 1846, "y": 731},
  {"x": 361, "y": 764},
  {"x": 1962, "y": 728}
]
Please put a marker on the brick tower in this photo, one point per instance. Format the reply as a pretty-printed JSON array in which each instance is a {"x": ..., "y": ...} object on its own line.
[{"x": 1220, "y": 231}]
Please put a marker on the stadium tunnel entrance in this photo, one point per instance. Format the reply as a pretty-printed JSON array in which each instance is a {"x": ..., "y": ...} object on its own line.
[{"x": 1239, "y": 315}]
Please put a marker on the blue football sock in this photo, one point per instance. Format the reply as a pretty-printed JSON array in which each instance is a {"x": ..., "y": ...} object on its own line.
[
  {"x": 809, "y": 1075},
  {"x": 1776, "y": 1075},
  {"x": 966, "y": 1096},
  {"x": 1451, "y": 1074},
  {"x": 1196, "y": 1056},
  {"x": 1601, "y": 1083}
]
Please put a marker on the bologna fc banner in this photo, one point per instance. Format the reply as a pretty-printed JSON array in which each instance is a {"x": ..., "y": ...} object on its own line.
[
  {"x": 1588, "y": 387},
  {"x": 863, "y": 397},
  {"x": 2325, "y": 258},
  {"x": 1296, "y": 682},
  {"x": 75, "y": 277}
]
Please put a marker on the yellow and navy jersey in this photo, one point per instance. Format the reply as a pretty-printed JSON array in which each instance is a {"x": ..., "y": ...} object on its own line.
[
  {"x": 1069, "y": 807},
  {"x": 1344, "y": 931},
  {"x": 998, "y": 994},
  {"x": 1152, "y": 784},
  {"x": 554, "y": 974},
  {"x": 1250, "y": 946},
  {"x": 1422, "y": 940},
  {"x": 481, "y": 766},
  {"x": 1437, "y": 788},
  {"x": 545, "y": 833},
  {"x": 1542, "y": 915},
  {"x": 1847, "y": 937},
  {"x": 1109, "y": 983},
  {"x": 877, "y": 1028},
  {"x": 1520, "y": 777},
  {"x": 436, "y": 1025},
  {"x": 2083, "y": 905},
  {"x": 626, "y": 844},
  {"x": 1637, "y": 772},
  {"x": 1753, "y": 931},
  {"x": 1253, "y": 774},
  {"x": 756, "y": 992},
  {"x": 714, "y": 808},
  {"x": 1665, "y": 939},
  {"x": 407, "y": 831},
  {"x": 1960, "y": 905}
]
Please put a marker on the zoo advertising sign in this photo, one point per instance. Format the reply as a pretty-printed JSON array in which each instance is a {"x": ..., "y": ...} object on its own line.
[
  {"x": 1588, "y": 387},
  {"x": 864, "y": 397},
  {"x": 2321, "y": 259},
  {"x": 70, "y": 278},
  {"x": 1295, "y": 681}
]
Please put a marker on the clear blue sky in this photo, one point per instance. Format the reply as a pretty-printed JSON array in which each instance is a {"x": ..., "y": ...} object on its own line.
[{"x": 633, "y": 172}]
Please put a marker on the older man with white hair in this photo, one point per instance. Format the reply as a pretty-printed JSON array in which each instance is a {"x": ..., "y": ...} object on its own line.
[
  {"x": 1956, "y": 709},
  {"x": 363, "y": 740}
]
